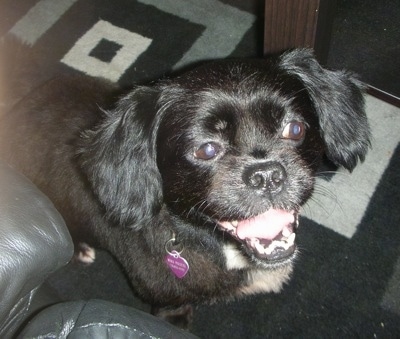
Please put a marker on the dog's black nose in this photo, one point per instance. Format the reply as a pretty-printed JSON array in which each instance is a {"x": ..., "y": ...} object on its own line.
[{"x": 269, "y": 176}]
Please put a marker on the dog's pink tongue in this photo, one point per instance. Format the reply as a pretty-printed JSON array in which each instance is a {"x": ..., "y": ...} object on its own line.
[{"x": 265, "y": 226}]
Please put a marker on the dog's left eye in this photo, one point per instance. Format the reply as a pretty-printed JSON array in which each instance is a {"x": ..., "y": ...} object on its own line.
[
  {"x": 207, "y": 151},
  {"x": 294, "y": 130}
]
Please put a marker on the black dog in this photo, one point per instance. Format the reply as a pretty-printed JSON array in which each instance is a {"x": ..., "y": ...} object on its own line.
[{"x": 194, "y": 184}]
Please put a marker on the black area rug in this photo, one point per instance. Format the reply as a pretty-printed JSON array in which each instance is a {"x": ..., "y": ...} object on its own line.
[
  {"x": 345, "y": 283},
  {"x": 366, "y": 40}
]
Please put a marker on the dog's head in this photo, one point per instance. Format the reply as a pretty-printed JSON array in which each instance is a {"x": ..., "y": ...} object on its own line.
[{"x": 232, "y": 144}]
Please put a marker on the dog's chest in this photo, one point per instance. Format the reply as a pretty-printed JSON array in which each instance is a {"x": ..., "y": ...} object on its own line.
[{"x": 258, "y": 280}]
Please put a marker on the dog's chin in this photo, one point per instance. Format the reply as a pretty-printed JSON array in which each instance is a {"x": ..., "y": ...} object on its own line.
[{"x": 269, "y": 238}]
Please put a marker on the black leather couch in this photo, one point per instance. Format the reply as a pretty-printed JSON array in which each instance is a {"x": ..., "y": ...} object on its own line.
[{"x": 34, "y": 242}]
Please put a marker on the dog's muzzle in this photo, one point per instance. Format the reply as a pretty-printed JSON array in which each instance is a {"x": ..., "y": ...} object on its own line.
[{"x": 269, "y": 236}]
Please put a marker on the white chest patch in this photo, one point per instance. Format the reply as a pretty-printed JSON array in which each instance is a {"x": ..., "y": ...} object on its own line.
[
  {"x": 262, "y": 281},
  {"x": 235, "y": 260},
  {"x": 259, "y": 280}
]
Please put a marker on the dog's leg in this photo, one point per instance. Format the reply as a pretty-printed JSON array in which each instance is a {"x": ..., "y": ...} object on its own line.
[
  {"x": 181, "y": 316},
  {"x": 85, "y": 254}
]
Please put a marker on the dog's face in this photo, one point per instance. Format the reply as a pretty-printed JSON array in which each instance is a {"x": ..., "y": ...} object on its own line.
[
  {"x": 236, "y": 146},
  {"x": 241, "y": 153}
]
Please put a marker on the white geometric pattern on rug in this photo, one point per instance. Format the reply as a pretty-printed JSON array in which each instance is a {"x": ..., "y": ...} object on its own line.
[
  {"x": 132, "y": 46},
  {"x": 39, "y": 19},
  {"x": 340, "y": 203}
]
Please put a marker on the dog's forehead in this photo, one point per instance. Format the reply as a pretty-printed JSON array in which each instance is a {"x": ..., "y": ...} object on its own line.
[
  {"x": 256, "y": 110},
  {"x": 246, "y": 88},
  {"x": 224, "y": 73},
  {"x": 252, "y": 99}
]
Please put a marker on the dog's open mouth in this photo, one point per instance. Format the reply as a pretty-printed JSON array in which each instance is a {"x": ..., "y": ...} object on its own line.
[{"x": 269, "y": 236}]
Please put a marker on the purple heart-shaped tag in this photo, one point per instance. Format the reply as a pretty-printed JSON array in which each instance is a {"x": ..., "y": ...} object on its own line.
[{"x": 178, "y": 265}]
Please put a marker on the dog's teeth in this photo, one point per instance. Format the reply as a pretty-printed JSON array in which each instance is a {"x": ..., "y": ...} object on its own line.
[
  {"x": 269, "y": 248},
  {"x": 285, "y": 244},
  {"x": 286, "y": 232},
  {"x": 260, "y": 248},
  {"x": 291, "y": 239},
  {"x": 279, "y": 244},
  {"x": 234, "y": 223}
]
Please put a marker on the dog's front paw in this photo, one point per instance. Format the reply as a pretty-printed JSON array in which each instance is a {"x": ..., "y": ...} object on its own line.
[
  {"x": 181, "y": 316},
  {"x": 85, "y": 254}
]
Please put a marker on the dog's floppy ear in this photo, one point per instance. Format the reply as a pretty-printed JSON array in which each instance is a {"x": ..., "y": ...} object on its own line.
[
  {"x": 338, "y": 100},
  {"x": 119, "y": 159}
]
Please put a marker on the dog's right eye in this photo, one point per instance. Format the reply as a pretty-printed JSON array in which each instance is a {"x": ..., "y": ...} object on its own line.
[
  {"x": 294, "y": 130},
  {"x": 207, "y": 151}
]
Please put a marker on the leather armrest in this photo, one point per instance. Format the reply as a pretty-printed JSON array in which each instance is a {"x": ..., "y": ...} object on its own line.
[
  {"x": 99, "y": 319},
  {"x": 34, "y": 242}
]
